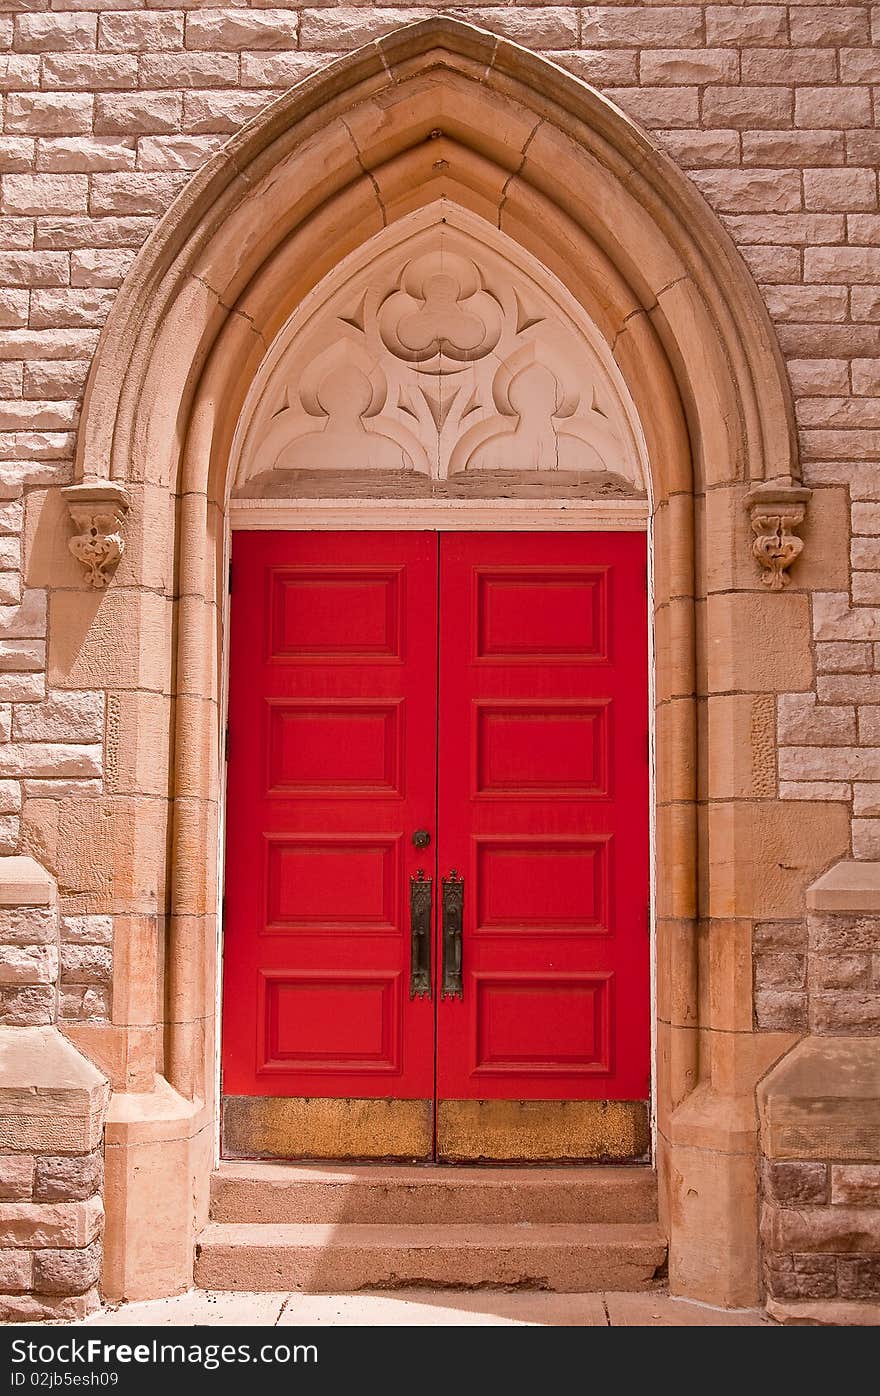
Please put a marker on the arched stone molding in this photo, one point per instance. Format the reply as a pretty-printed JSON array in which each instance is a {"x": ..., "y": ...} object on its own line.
[{"x": 441, "y": 110}]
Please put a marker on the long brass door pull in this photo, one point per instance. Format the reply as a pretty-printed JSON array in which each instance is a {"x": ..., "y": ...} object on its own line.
[
  {"x": 453, "y": 908},
  {"x": 420, "y": 895}
]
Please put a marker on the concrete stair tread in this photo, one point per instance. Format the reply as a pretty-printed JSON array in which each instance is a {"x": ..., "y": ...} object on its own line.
[
  {"x": 284, "y": 1193},
  {"x": 436, "y": 1236},
  {"x": 414, "y": 1175}
]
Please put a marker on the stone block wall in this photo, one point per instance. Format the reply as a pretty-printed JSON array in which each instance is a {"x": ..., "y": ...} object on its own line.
[
  {"x": 821, "y": 974},
  {"x": 107, "y": 109},
  {"x": 821, "y": 1229},
  {"x": 51, "y": 1108}
]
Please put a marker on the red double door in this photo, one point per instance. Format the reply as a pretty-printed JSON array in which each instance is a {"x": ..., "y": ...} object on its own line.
[{"x": 437, "y": 861}]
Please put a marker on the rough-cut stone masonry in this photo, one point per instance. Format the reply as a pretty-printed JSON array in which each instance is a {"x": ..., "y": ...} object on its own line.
[
  {"x": 821, "y": 1228},
  {"x": 773, "y": 110}
]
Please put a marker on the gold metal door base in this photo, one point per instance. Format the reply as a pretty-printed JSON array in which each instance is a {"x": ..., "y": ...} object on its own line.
[
  {"x": 546, "y": 1131},
  {"x": 292, "y": 1127}
]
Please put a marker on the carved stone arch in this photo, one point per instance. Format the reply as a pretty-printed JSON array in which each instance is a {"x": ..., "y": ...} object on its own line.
[{"x": 436, "y": 111}]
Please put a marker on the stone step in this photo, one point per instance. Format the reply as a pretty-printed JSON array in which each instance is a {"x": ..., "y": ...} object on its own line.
[
  {"x": 340, "y": 1259},
  {"x": 280, "y": 1194}
]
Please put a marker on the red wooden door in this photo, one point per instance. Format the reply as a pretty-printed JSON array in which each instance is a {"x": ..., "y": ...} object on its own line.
[
  {"x": 543, "y": 799},
  {"x": 332, "y": 724},
  {"x": 507, "y": 716}
]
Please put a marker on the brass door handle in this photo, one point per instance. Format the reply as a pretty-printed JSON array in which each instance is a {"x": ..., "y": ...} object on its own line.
[
  {"x": 453, "y": 908},
  {"x": 420, "y": 893}
]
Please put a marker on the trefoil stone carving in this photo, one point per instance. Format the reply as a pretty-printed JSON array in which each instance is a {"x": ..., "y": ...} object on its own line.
[{"x": 98, "y": 511}]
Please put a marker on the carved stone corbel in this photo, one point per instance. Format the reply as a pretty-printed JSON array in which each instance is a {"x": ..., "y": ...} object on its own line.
[
  {"x": 97, "y": 509},
  {"x": 777, "y": 509}
]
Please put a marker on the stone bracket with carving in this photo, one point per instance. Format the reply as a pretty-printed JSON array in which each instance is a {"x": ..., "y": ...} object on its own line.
[
  {"x": 98, "y": 510},
  {"x": 777, "y": 510}
]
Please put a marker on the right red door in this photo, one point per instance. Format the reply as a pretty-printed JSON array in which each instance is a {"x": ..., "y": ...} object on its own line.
[{"x": 542, "y": 830}]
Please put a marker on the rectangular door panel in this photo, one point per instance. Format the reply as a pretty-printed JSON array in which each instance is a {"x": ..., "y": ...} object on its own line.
[
  {"x": 332, "y": 765},
  {"x": 543, "y": 810}
]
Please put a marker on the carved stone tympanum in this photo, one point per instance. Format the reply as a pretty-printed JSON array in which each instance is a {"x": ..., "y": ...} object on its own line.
[
  {"x": 777, "y": 509},
  {"x": 98, "y": 510},
  {"x": 448, "y": 351}
]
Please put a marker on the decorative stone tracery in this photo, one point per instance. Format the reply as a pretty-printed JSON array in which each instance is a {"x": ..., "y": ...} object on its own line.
[{"x": 443, "y": 350}]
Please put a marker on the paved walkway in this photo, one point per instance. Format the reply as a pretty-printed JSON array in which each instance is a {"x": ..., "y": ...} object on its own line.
[{"x": 427, "y": 1307}]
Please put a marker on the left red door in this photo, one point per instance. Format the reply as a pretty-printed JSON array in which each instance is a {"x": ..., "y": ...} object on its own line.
[{"x": 332, "y": 769}]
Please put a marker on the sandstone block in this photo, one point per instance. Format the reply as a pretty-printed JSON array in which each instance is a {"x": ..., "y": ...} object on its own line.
[
  {"x": 840, "y": 972},
  {"x": 282, "y": 70},
  {"x": 219, "y": 30},
  {"x": 67, "y": 1271},
  {"x": 855, "y": 1184},
  {"x": 136, "y": 31},
  {"x": 67, "y": 1178},
  {"x": 45, "y": 1308},
  {"x": 808, "y": 303},
  {"x": 779, "y": 936},
  {"x": 771, "y": 265},
  {"x": 681, "y": 67},
  {"x": 742, "y": 26},
  {"x": 133, "y": 193},
  {"x": 16, "y": 154},
  {"x": 840, "y": 1230},
  {"x": 86, "y": 964},
  {"x": 10, "y": 798},
  {"x": 63, "y": 716},
  {"x": 829, "y": 934},
  {"x": 850, "y": 688},
  {"x": 801, "y": 1276},
  {"x": 28, "y": 1006},
  {"x": 779, "y": 1010},
  {"x": 793, "y": 147},
  {"x": 61, "y": 1224},
  {"x": 830, "y": 108},
  {"x": 220, "y": 111},
  {"x": 848, "y": 189},
  {"x": 695, "y": 149},
  {"x": 22, "y": 688},
  {"x": 663, "y": 26},
  {"x": 16, "y": 1177},
  {"x": 789, "y": 66},
  {"x": 89, "y": 72},
  {"x": 59, "y": 378},
  {"x": 866, "y": 373},
  {"x": 162, "y": 153},
  {"x": 866, "y": 796},
  {"x": 19, "y": 71},
  {"x": 796, "y": 1184},
  {"x": 859, "y": 1277},
  {"x": 70, "y": 307},
  {"x": 866, "y": 838},
  {"x": 83, "y": 1004},
  {"x": 44, "y": 193},
  {"x": 71, "y": 233},
  {"x": 28, "y": 964},
  {"x": 842, "y": 1012},
  {"x": 830, "y": 25},
  {"x": 748, "y": 108},
  {"x": 773, "y": 191},
  {"x": 27, "y": 925},
  {"x": 43, "y": 113},
  {"x": 781, "y": 971},
  {"x": 180, "y": 70},
  {"x": 49, "y": 759},
  {"x": 130, "y": 114},
  {"x": 84, "y": 154},
  {"x": 55, "y": 33},
  {"x": 34, "y": 269},
  {"x": 87, "y": 930},
  {"x": 16, "y": 1269},
  {"x": 659, "y": 107},
  {"x": 842, "y": 657},
  {"x": 823, "y": 763},
  {"x": 802, "y": 721}
]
